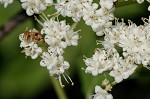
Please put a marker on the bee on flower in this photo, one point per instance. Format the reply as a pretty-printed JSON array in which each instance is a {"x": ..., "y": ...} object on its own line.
[{"x": 29, "y": 44}]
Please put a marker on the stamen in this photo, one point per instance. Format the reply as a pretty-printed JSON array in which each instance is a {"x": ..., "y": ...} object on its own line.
[
  {"x": 147, "y": 67},
  {"x": 144, "y": 20},
  {"x": 122, "y": 20},
  {"x": 130, "y": 22},
  {"x": 65, "y": 78},
  {"x": 97, "y": 49},
  {"x": 116, "y": 21},
  {"x": 45, "y": 17},
  {"x": 84, "y": 56},
  {"x": 77, "y": 30},
  {"x": 38, "y": 21},
  {"x": 82, "y": 68},
  {"x": 59, "y": 78},
  {"x": 74, "y": 25},
  {"x": 105, "y": 54},
  {"x": 99, "y": 42},
  {"x": 113, "y": 83},
  {"x": 57, "y": 18},
  {"x": 70, "y": 80},
  {"x": 49, "y": 15}
]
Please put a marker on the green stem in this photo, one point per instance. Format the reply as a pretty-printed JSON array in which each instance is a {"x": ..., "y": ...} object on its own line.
[
  {"x": 90, "y": 88},
  {"x": 58, "y": 89}
]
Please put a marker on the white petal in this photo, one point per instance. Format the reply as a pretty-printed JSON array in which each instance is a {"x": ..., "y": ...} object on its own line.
[{"x": 118, "y": 79}]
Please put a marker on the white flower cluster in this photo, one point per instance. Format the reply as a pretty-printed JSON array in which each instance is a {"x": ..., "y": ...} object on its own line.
[
  {"x": 58, "y": 35},
  {"x": 35, "y": 6},
  {"x": 101, "y": 93},
  {"x": 133, "y": 39},
  {"x": 71, "y": 8},
  {"x": 56, "y": 66},
  {"x": 104, "y": 60},
  {"x": 96, "y": 17},
  {"x": 108, "y": 60},
  {"x": 98, "y": 63},
  {"x": 6, "y": 2}
]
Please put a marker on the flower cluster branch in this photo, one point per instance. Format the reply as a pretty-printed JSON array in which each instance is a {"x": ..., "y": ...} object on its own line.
[{"x": 12, "y": 23}]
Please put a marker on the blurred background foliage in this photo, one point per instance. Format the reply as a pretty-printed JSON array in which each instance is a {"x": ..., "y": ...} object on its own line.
[{"x": 24, "y": 78}]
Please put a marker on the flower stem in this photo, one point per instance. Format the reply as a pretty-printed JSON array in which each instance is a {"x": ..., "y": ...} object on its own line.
[{"x": 58, "y": 89}]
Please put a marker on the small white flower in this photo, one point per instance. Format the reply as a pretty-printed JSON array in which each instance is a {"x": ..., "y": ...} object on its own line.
[
  {"x": 35, "y": 6},
  {"x": 101, "y": 93},
  {"x": 56, "y": 50},
  {"x": 56, "y": 66},
  {"x": 122, "y": 69},
  {"x": 6, "y": 2},
  {"x": 59, "y": 34},
  {"x": 98, "y": 63},
  {"x": 71, "y": 8},
  {"x": 106, "y": 4},
  {"x": 89, "y": 13},
  {"x": 98, "y": 19}
]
